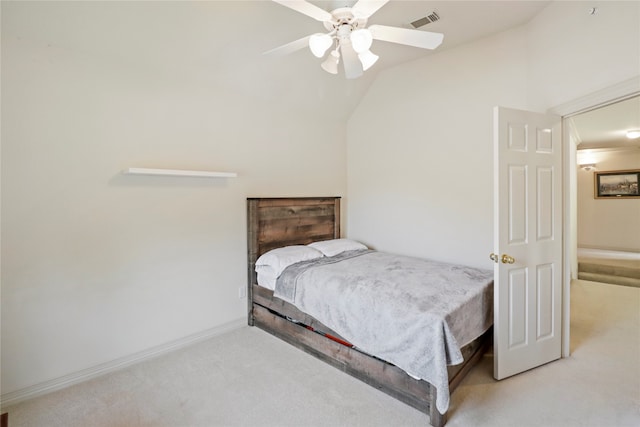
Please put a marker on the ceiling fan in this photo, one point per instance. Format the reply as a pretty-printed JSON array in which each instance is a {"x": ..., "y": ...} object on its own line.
[{"x": 348, "y": 34}]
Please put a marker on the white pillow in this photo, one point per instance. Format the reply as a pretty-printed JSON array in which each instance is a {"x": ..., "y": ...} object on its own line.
[
  {"x": 266, "y": 279},
  {"x": 275, "y": 261},
  {"x": 337, "y": 246}
]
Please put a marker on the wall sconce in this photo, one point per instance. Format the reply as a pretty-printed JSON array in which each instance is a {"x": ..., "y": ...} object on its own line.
[{"x": 586, "y": 159}]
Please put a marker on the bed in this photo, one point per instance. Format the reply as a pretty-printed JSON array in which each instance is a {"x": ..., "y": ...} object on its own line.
[{"x": 282, "y": 222}]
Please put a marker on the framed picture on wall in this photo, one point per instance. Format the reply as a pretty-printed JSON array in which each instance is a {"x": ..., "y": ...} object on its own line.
[{"x": 617, "y": 184}]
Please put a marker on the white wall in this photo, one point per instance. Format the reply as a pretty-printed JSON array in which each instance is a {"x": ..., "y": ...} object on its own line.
[
  {"x": 96, "y": 265},
  {"x": 420, "y": 143},
  {"x": 573, "y": 54},
  {"x": 420, "y": 151},
  {"x": 606, "y": 223}
]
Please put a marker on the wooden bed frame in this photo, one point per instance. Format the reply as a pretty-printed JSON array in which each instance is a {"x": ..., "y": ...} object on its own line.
[{"x": 278, "y": 222}]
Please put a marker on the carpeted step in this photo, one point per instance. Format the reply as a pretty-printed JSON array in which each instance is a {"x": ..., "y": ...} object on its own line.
[
  {"x": 624, "y": 268},
  {"x": 617, "y": 271},
  {"x": 605, "y": 278}
]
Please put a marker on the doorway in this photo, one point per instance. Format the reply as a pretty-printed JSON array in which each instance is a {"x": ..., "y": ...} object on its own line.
[
  {"x": 619, "y": 92},
  {"x": 607, "y": 227}
]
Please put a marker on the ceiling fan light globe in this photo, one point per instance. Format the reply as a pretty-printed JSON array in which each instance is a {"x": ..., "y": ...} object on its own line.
[
  {"x": 330, "y": 65},
  {"x": 367, "y": 58},
  {"x": 319, "y": 43},
  {"x": 361, "y": 40}
]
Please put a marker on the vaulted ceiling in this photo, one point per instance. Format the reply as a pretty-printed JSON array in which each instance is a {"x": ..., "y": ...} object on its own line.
[{"x": 221, "y": 44}]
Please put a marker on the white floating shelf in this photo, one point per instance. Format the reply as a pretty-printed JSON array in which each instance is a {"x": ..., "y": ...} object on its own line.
[{"x": 177, "y": 172}]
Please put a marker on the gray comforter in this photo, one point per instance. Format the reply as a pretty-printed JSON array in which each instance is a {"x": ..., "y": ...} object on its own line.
[{"x": 411, "y": 312}]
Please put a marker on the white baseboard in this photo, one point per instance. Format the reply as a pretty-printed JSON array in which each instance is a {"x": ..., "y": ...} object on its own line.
[{"x": 114, "y": 365}]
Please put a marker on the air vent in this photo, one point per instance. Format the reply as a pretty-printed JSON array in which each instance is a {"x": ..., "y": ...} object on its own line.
[{"x": 430, "y": 18}]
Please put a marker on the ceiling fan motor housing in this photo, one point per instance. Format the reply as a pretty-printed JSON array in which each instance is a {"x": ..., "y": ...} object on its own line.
[{"x": 344, "y": 22}]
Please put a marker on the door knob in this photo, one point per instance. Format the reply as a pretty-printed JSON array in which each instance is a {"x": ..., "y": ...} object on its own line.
[
  {"x": 506, "y": 259},
  {"x": 493, "y": 257}
]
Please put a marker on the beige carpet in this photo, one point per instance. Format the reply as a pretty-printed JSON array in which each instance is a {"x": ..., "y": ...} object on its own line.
[{"x": 249, "y": 378}]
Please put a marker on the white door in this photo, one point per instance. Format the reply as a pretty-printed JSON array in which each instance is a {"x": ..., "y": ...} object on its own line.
[{"x": 527, "y": 240}]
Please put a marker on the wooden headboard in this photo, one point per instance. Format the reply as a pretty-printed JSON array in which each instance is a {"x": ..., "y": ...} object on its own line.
[{"x": 277, "y": 222}]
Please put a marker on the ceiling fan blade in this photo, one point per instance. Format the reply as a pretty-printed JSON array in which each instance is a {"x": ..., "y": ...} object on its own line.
[
  {"x": 307, "y": 8},
  {"x": 351, "y": 62},
  {"x": 288, "y": 48},
  {"x": 423, "y": 39},
  {"x": 366, "y": 8}
]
